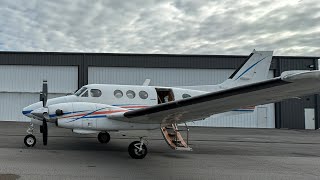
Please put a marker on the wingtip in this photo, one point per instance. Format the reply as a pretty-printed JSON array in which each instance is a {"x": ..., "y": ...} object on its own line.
[{"x": 297, "y": 75}]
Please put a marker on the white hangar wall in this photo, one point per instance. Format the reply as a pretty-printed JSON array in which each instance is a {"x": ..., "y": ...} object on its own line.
[
  {"x": 21, "y": 84},
  {"x": 262, "y": 117}
]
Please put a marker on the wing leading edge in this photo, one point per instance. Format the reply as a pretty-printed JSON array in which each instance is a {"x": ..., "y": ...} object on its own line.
[{"x": 289, "y": 85}]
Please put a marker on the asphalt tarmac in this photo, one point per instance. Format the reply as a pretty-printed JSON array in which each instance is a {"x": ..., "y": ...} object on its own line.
[{"x": 218, "y": 153}]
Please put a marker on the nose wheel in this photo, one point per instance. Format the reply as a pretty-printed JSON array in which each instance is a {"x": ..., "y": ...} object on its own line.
[
  {"x": 30, "y": 140},
  {"x": 138, "y": 149},
  {"x": 103, "y": 137}
]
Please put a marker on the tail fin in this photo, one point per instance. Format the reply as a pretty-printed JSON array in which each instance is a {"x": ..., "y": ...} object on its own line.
[{"x": 255, "y": 68}]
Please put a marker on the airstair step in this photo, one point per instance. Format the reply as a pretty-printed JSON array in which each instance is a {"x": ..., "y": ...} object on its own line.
[
  {"x": 174, "y": 139},
  {"x": 183, "y": 148}
]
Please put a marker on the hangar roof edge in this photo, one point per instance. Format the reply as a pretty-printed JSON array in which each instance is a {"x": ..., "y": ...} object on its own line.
[{"x": 141, "y": 54}]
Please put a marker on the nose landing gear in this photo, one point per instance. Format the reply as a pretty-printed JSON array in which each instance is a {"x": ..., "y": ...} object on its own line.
[{"x": 30, "y": 140}]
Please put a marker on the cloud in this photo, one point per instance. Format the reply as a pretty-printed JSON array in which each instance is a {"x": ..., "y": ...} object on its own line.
[{"x": 168, "y": 26}]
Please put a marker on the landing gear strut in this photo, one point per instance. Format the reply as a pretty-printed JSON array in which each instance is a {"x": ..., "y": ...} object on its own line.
[
  {"x": 30, "y": 140},
  {"x": 104, "y": 137},
  {"x": 138, "y": 149}
]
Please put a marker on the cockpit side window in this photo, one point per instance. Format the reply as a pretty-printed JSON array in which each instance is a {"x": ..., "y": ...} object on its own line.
[
  {"x": 95, "y": 93},
  {"x": 80, "y": 91},
  {"x": 85, "y": 94}
]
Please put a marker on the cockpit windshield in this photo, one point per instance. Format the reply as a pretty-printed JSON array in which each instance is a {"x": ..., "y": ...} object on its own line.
[{"x": 80, "y": 91}]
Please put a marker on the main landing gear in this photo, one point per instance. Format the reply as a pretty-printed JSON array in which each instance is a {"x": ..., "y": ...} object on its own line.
[
  {"x": 104, "y": 137},
  {"x": 30, "y": 140},
  {"x": 138, "y": 149}
]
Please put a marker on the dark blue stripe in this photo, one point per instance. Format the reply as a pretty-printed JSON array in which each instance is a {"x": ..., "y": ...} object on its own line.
[
  {"x": 251, "y": 67},
  {"x": 66, "y": 113},
  {"x": 242, "y": 110},
  {"x": 100, "y": 116},
  {"x": 26, "y": 112}
]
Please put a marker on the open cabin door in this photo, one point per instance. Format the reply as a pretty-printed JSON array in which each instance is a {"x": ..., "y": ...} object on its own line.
[{"x": 164, "y": 95}]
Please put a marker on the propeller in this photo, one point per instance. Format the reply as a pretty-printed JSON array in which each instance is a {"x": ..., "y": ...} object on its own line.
[{"x": 44, "y": 98}]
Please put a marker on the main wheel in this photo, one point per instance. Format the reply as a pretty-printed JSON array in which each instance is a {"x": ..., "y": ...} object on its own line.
[
  {"x": 136, "y": 151},
  {"x": 30, "y": 140},
  {"x": 104, "y": 137}
]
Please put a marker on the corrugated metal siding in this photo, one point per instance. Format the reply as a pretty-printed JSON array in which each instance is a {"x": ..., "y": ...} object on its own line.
[
  {"x": 158, "y": 76},
  {"x": 43, "y": 59},
  {"x": 246, "y": 119},
  {"x": 165, "y": 61},
  {"x": 292, "y": 111},
  {"x": 12, "y": 104},
  {"x": 180, "y": 77},
  {"x": 19, "y": 78},
  {"x": 20, "y": 86},
  {"x": 285, "y": 117}
]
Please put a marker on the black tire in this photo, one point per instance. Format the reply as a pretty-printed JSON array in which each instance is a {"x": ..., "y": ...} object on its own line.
[
  {"x": 104, "y": 137},
  {"x": 30, "y": 140},
  {"x": 134, "y": 152}
]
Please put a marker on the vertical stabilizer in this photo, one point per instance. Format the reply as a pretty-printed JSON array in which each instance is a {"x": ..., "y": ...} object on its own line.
[{"x": 254, "y": 69}]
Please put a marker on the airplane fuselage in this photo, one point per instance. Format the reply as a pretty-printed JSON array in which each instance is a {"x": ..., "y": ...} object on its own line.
[{"x": 116, "y": 98}]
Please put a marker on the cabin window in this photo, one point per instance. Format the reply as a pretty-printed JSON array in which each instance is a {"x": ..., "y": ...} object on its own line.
[
  {"x": 131, "y": 94},
  {"x": 85, "y": 94},
  {"x": 186, "y": 96},
  {"x": 118, "y": 93},
  {"x": 80, "y": 91},
  {"x": 95, "y": 93},
  {"x": 143, "y": 95}
]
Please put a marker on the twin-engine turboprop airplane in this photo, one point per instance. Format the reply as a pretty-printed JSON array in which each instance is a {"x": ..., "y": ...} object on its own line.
[{"x": 99, "y": 108}]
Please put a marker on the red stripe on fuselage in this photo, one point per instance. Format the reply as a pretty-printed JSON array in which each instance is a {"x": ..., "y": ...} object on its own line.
[
  {"x": 95, "y": 113},
  {"x": 109, "y": 112},
  {"x": 130, "y": 107}
]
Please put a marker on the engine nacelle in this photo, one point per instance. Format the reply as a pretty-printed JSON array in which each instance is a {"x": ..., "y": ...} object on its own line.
[
  {"x": 92, "y": 116},
  {"x": 79, "y": 115}
]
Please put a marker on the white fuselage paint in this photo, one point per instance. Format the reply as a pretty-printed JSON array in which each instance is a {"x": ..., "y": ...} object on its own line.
[{"x": 112, "y": 103}]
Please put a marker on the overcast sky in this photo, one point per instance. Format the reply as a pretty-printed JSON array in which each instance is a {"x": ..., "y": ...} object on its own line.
[{"x": 289, "y": 27}]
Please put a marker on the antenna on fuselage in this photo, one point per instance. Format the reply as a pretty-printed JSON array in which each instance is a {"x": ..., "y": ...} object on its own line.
[{"x": 146, "y": 82}]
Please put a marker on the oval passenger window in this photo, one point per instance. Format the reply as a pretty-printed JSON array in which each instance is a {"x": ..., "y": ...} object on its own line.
[
  {"x": 131, "y": 94},
  {"x": 143, "y": 95},
  {"x": 118, "y": 93}
]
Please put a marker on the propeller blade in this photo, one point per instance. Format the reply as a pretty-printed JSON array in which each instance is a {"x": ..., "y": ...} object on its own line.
[
  {"x": 44, "y": 93},
  {"x": 45, "y": 132}
]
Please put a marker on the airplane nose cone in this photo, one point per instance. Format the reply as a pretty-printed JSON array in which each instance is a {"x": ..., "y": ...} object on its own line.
[
  {"x": 39, "y": 112},
  {"x": 26, "y": 111}
]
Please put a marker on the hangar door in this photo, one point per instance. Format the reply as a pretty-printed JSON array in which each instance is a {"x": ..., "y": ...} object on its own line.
[
  {"x": 175, "y": 77},
  {"x": 21, "y": 84}
]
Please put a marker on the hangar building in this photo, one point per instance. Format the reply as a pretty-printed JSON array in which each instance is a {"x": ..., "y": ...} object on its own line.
[{"x": 21, "y": 75}]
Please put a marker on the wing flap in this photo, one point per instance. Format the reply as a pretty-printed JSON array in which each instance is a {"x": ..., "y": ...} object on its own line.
[{"x": 288, "y": 85}]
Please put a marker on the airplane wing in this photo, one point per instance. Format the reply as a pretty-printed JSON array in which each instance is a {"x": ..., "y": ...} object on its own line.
[{"x": 290, "y": 84}]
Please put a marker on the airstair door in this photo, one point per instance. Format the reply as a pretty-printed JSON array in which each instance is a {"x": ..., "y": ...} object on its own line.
[{"x": 164, "y": 95}]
